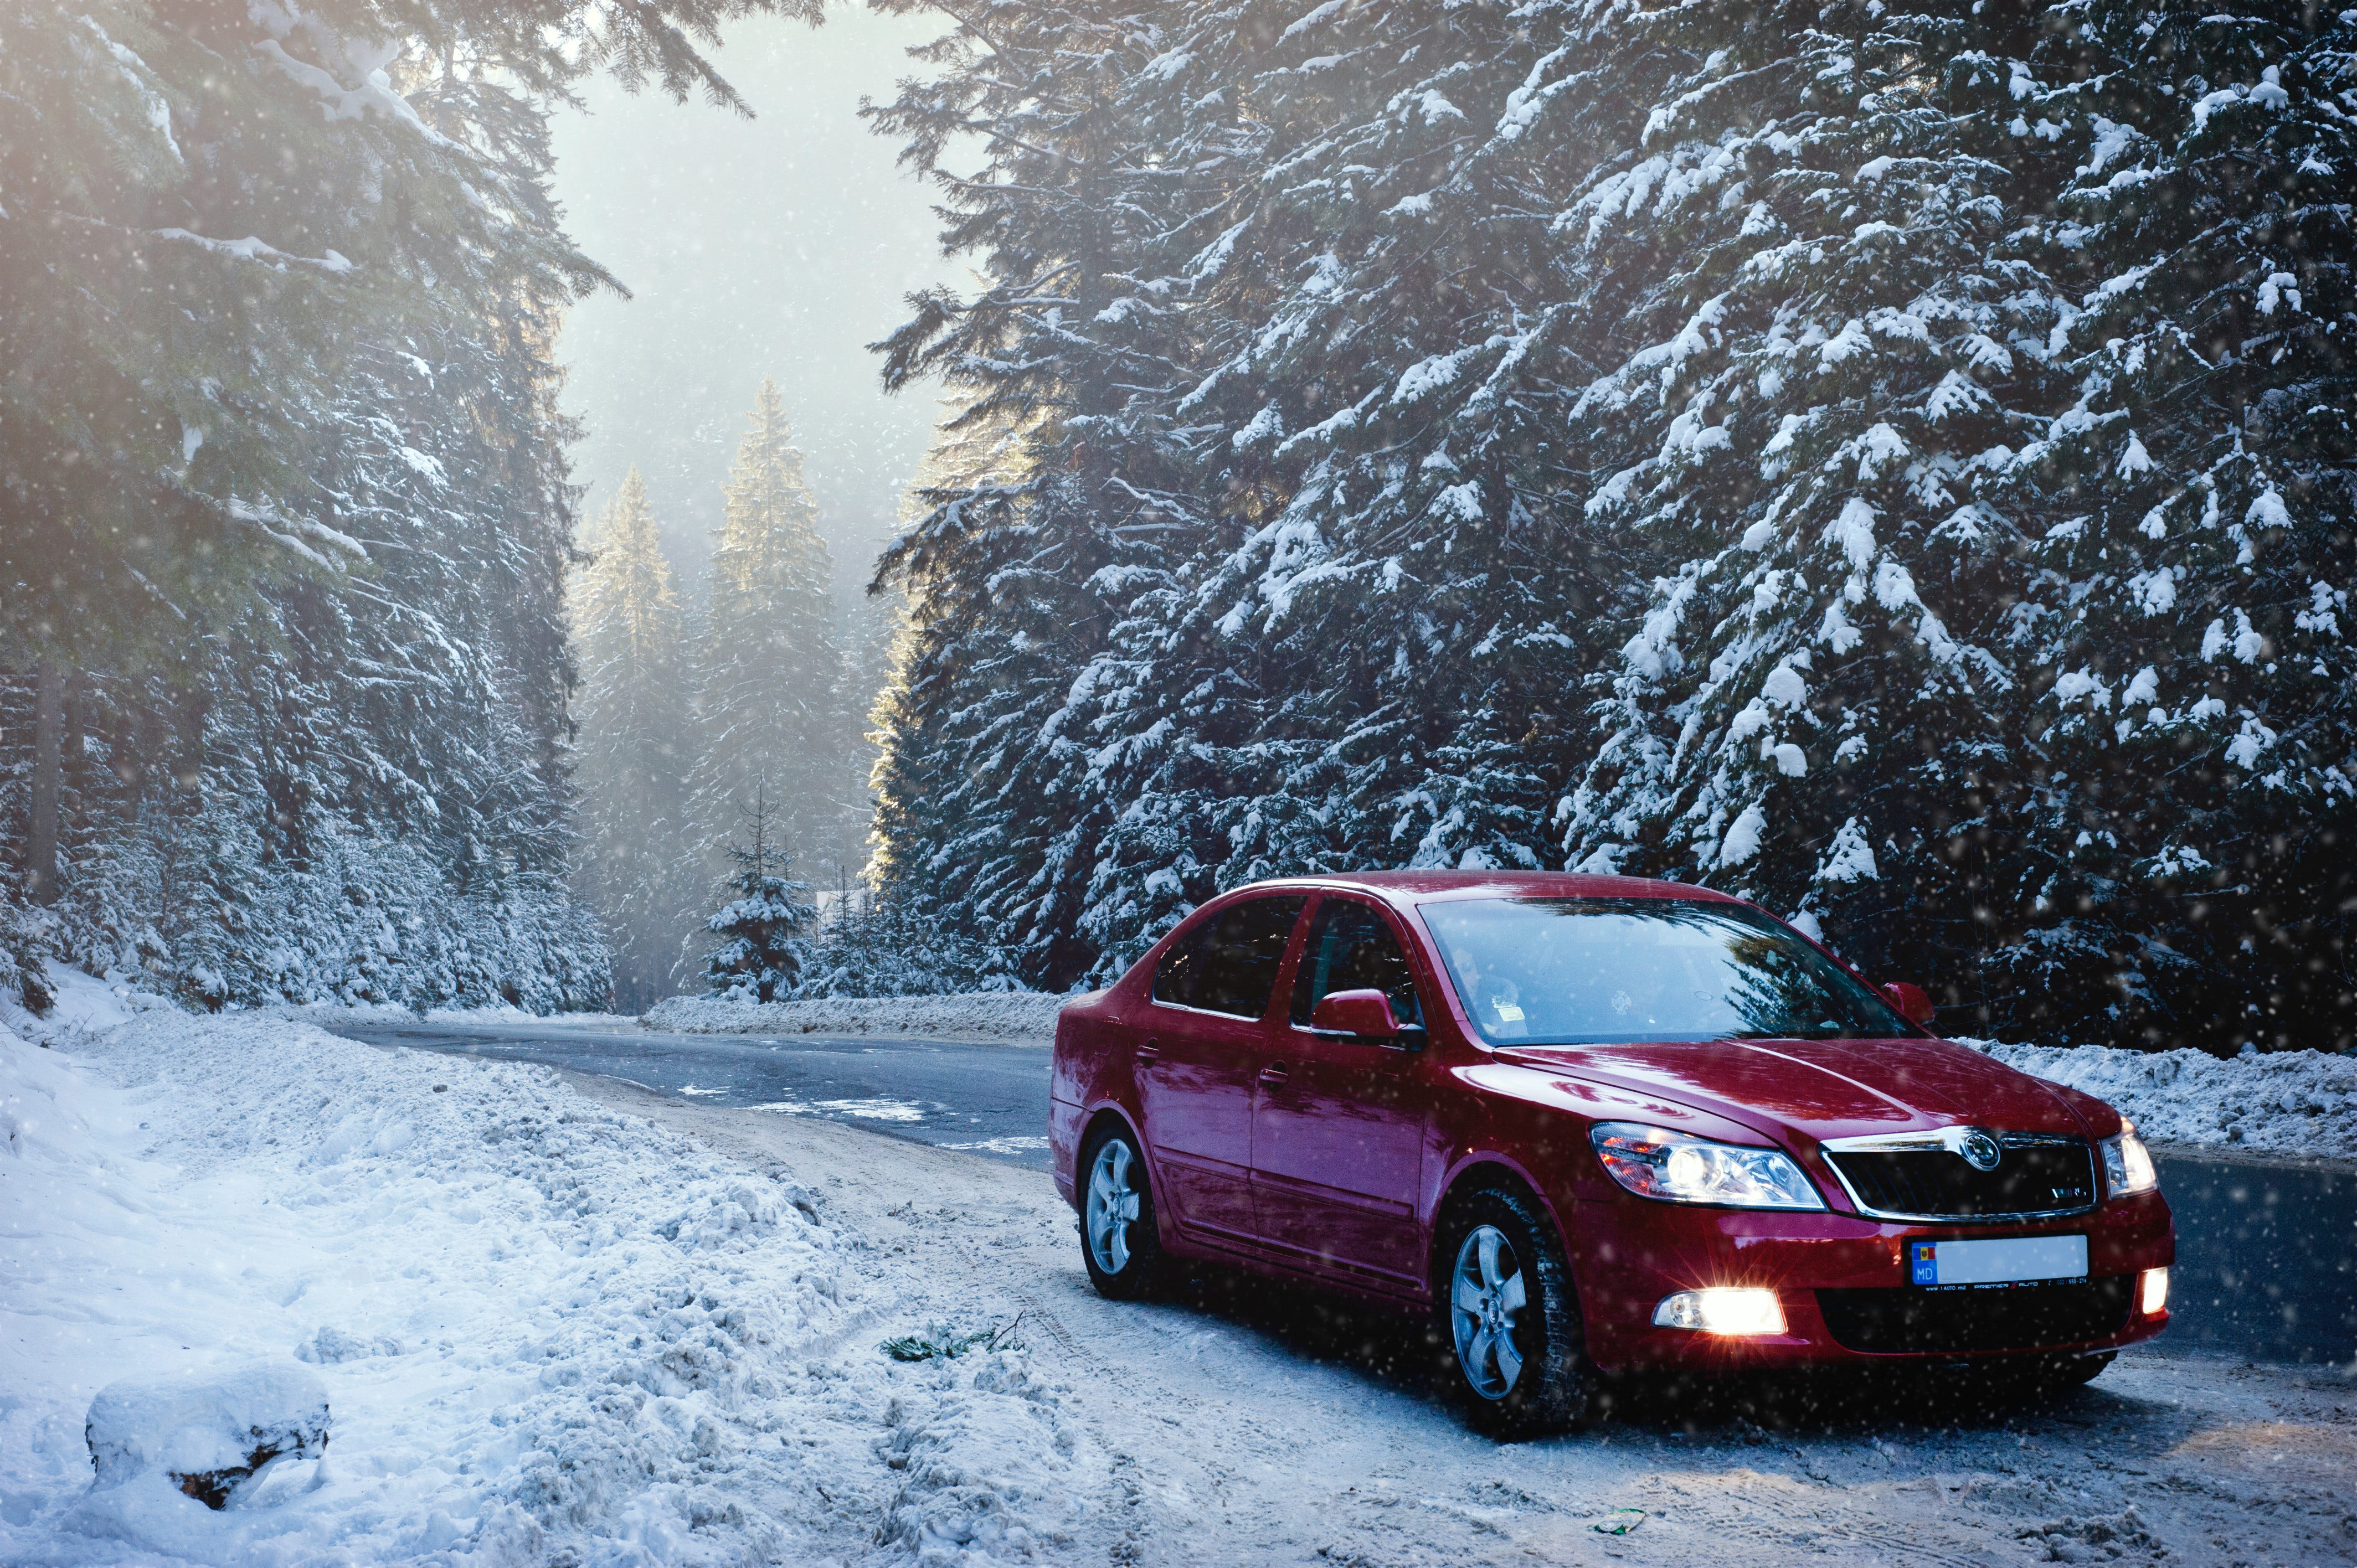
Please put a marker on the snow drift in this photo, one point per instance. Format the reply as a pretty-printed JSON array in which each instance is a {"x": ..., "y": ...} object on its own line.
[
  {"x": 547, "y": 1331},
  {"x": 2293, "y": 1102}
]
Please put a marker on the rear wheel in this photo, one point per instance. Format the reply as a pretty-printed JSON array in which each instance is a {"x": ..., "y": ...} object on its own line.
[
  {"x": 1508, "y": 1312},
  {"x": 1118, "y": 1239}
]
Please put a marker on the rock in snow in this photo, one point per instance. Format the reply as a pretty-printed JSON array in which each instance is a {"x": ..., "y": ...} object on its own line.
[{"x": 209, "y": 1432}]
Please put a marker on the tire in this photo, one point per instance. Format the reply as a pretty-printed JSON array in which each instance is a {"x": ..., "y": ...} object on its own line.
[
  {"x": 1119, "y": 1241},
  {"x": 1509, "y": 1318}
]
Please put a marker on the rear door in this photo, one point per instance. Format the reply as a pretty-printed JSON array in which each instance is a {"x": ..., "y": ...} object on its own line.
[
  {"x": 1202, "y": 1041},
  {"x": 1339, "y": 1124}
]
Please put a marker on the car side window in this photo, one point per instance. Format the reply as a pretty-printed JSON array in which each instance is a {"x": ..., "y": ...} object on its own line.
[
  {"x": 1229, "y": 963},
  {"x": 1351, "y": 948}
]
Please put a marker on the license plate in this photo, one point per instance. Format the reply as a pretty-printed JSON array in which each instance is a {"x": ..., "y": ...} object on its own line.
[{"x": 2009, "y": 1261}]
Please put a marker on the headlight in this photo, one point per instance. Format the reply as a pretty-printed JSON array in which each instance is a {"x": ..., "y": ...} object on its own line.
[
  {"x": 2128, "y": 1164},
  {"x": 1654, "y": 1162}
]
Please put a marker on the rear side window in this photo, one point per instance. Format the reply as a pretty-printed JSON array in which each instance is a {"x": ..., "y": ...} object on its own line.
[
  {"x": 1229, "y": 963},
  {"x": 1351, "y": 948}
]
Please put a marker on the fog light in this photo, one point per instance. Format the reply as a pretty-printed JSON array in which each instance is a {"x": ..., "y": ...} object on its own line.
[
  {"x": 2152, "y": 1295},
  {"x": 1722, "y": 1311}
]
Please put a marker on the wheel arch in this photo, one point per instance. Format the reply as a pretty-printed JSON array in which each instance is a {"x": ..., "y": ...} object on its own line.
[
  {"x": 1104, "y": 1114},
  {"x": 1484, "y": 1171}
]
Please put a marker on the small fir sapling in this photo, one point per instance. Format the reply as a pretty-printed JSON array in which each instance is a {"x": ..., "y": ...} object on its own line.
[{"x": 764, "y": 949}]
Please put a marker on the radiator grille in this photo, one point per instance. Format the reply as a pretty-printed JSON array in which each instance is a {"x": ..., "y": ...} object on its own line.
[{"x": 2044, "y": 1177}]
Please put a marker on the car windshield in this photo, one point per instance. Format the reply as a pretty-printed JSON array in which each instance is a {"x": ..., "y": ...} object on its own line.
[{"x": 1619, "y": 970}]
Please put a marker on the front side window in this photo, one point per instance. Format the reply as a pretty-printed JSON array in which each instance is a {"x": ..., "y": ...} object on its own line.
[
  {"x": 1229, "y": 963},
  {"x": 1351, "y": 948},
  {"x": 1619, "y": 970}
]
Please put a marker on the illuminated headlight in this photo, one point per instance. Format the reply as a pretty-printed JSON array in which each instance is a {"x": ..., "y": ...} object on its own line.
[
  {"x": 1738, "y": 1311},
  {"x": 1654, "y": 1162},
  {"x": 2128, "y": 1164},
  {"x": 2152, "y": 1294}
]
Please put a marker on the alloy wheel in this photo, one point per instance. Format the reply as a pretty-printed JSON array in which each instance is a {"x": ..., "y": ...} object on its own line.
[
  {"x": 1485, "y": 1297},
  {"x": 1113, "y": 1205}
]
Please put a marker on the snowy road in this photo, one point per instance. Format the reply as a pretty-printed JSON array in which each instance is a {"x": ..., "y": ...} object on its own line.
[
  {"x": 987, "y": 1097},
  {"x": 1254, "y": 1424}
]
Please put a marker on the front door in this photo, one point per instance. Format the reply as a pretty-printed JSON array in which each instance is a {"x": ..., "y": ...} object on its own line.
[
  {"x": 1338, "y": 1134},
  {"x": 1200, "y": 1045}
]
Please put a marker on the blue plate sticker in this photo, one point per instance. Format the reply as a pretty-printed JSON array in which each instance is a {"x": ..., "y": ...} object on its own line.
[{"x": 1922, "y": 1262}]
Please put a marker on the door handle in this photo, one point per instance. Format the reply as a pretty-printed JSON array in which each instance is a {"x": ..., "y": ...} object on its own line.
[
  {"x": 1149, "y": 1053},
  {"x": 1272, "y": 1076}
]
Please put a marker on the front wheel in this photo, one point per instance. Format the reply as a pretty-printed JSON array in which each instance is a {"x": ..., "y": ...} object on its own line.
[
  {"x": 1118, "y": 1239},
  {"x": 1507, "y": 1308}
]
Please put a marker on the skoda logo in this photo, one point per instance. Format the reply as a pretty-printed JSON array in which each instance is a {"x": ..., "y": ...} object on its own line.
[{"x": 1980, "y": 1150}]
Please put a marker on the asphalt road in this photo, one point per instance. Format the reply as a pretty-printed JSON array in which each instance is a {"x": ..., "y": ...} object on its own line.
[
  {"x": 990, "y": 1099},
  {"x": 2266, "y": 1250},
  {"x": 2267, "y": 1257}
]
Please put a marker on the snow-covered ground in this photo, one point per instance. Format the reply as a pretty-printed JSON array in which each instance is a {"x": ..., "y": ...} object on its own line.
[
  {"x": 549, "y": 1331},
  {"x": 1028, "y": 1015},
  {"x": 2288, "y": 1102}
]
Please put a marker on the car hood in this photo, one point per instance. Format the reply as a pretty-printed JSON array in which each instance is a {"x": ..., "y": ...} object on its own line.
[{"x": 1823, "y": 1089}]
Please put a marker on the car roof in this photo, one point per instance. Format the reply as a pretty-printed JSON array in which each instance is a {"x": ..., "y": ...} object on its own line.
[{"x": 1405, "y": 887}]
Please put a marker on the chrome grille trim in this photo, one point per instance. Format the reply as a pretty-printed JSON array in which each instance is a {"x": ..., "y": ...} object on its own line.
[{"x": 1951, "y": 1140}]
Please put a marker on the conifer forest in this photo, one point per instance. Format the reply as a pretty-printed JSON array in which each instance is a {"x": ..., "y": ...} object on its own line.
[{"x": 1892, "y": 460}]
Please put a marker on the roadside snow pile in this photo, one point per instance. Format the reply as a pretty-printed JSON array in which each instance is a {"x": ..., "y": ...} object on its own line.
[
  {"x": 80, "y": 1006},
  {"x": 977, "y": 1015},
  {"x": 547, "y": 1332},
  {"x": 394, "y": 1013},
  {"x": 2294, "y": 1103}
]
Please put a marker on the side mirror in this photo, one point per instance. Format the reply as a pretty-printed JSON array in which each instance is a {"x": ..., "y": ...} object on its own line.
[
  {"x": 1366, "y": 1014},
  {"x": 1913, "y": 1004}
]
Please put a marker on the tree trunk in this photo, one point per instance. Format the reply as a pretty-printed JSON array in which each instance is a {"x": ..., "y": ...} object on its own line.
[{"x": 49, "y": 757}]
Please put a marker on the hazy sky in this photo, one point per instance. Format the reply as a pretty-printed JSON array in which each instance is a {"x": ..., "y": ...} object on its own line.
[{"x": 780, "y": 245}]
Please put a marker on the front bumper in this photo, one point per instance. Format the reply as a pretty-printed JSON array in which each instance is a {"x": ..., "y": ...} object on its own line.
[{"x": 1843, "y": 1283}]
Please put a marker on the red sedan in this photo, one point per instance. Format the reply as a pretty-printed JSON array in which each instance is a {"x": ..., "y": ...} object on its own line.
[{"x": 1593, "y": 1123}]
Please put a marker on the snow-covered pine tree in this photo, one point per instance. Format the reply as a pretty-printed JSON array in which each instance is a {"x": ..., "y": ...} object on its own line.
[
  {"x": 1365, "y": 661},
  {"x": 764, "y": 948},
  {"x": 637, "y": 861},
  {"x": 769, "y": 675},
  {"x": 350, "y": 506},
  {"x": 1094, "y": 196},
  {"x": 1826, "y": 292},
  {"x": 2193, "y": 841}
]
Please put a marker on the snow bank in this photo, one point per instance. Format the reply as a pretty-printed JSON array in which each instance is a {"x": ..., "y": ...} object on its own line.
[
  {"x": 548, "y": 1332},
  {"x": 978, "y": 1016},
  {"x": 2293, "y": 1102},
  {"x": 394, "y": 1013}
]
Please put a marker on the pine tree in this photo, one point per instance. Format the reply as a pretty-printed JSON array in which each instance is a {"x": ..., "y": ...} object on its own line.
[
  {"x": 636, "y": 743},
  {"x": 1100, "y": 227},
  {"x": 2190, "y": 877},
  {"x": 1829, "y": 274},
  {"x": 765, "y": 950},
  {"x": 1363, "y": 663},
  {"x": 770, "y": 667}
]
